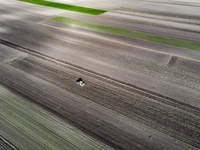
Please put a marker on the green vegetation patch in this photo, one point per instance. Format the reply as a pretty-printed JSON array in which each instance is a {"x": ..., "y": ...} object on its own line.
[
  {"x": 66, "y": 7},
  {"x": 130, "y": 33}
]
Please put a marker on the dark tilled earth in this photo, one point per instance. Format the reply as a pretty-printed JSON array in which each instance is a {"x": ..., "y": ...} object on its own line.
[
  {"x": 75, "y": 110},
  {"x": 170, "y": 118}
]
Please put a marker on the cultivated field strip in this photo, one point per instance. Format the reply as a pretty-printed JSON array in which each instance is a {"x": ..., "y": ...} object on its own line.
[
  {"x": 117, "y": 131},
  {"x": 168, "y": 119},
  {"x": 5, "y": 145},
  {"x": 38, "y": 129},
  {"x": 17, "y": 137},
  {"x": 70, "y": 107}
]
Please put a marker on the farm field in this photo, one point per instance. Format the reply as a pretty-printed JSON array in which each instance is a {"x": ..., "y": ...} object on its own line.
[
  {"x": 28, "y": 128},
  {"x": 139, "y": 61},
  {"x": 101, "y": 123},
  {"x": 169, "y": 118}
]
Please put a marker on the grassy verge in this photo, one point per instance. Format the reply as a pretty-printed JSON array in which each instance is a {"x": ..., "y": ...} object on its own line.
[
  {"x": 66, "y": 7},
  {"x": 130, "y": 33}
]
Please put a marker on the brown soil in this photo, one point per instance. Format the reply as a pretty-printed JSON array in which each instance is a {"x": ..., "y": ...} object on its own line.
[{"x": 171, "y": 119}]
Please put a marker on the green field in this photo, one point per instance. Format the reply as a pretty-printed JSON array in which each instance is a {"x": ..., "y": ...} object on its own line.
[
  {"x": 66, "y": 7},
  {"x": 28, "y": 128},
  {"x": 130, "y": 33}
]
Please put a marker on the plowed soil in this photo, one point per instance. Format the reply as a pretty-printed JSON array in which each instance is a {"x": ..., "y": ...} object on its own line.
[{"x": 167, "y": 118}]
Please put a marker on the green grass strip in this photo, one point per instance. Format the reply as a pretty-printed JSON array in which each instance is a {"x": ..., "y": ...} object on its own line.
[
  {"x": 66, "y": 7},
  {"x": 130, "y": 33}
]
